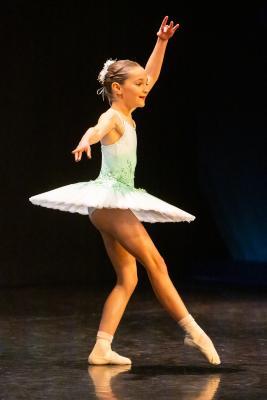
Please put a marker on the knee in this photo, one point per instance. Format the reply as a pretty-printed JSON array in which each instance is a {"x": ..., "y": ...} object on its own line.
[
  {"x": 156, "y": 265},
  {"x": 128, "y": 282}
]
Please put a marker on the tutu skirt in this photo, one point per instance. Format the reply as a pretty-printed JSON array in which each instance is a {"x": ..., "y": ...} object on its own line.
[{"x": 84, "y": 197}]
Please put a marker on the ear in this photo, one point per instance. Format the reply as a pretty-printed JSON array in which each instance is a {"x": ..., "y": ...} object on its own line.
[{"x": 116, "y": 87}]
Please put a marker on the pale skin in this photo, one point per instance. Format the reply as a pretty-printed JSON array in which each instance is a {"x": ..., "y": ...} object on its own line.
[{"x": 125, "y": 237}]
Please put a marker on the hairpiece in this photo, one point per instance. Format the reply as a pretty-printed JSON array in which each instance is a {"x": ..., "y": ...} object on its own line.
[{"x": 103, "y": 72}]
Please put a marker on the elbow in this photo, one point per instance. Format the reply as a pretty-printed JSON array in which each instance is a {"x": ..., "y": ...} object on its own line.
[
  {"x": 151, "y": 82},
  {"x": 97, "y": 134}
]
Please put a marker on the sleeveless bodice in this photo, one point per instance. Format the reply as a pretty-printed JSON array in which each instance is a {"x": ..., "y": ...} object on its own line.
[{"x": 119, "y": 158}]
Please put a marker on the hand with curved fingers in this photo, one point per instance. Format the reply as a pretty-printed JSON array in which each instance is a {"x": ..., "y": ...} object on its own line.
[
  {"x": 83, "y": 146},
  {"x": 165, "y": 31}
]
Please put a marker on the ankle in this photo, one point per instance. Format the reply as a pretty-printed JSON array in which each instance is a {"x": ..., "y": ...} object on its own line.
[
  {"x": 190, "y": 326},
  {"x": 105, "y": 336},
  {"x": 103, "y": 342},
  {"x": 188, "y": 319}
]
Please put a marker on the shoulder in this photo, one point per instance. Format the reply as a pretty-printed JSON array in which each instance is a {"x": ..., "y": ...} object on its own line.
[{"x": 111, "y": 117}]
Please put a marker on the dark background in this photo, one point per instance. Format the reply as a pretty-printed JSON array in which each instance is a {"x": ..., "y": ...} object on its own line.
[{"x": 201, "y": 137}]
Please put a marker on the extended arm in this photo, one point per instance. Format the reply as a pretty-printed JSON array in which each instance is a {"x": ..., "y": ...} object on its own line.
[
  {"x": 155, "y": 61},
  {"x": 105, "y": 124}
]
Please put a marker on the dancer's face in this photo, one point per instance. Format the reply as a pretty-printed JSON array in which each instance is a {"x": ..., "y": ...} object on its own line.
[{"x": 134, "y": 90}]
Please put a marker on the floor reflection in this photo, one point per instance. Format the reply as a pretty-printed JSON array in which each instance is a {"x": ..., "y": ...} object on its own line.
[
  {"x": 104, "y": 377},
  {"x": 101, "y": 376}
]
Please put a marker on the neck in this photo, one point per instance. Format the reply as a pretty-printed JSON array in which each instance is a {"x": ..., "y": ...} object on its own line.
[{"x": 122, "y": 108}]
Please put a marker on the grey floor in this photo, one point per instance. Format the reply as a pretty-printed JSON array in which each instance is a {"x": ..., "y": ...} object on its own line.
[{"x": 46, "y": 335}]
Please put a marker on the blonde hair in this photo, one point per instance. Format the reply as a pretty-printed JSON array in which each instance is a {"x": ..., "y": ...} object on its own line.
[{"x": 117, "y": 71}]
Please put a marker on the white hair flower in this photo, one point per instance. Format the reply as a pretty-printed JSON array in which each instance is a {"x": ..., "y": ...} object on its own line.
[{"x": 103, "y": 72}]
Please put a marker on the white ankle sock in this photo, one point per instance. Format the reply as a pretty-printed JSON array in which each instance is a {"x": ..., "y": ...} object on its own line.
[
  {"x": 197, "y": 338},
  {"x": 102, "y": 352}
]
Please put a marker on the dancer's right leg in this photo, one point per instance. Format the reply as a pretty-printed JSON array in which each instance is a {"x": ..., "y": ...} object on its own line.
[
  {"x": 126, "y": 271},
  {"x": 125, "y": 227},
  {"x": 125, "y": 268}
]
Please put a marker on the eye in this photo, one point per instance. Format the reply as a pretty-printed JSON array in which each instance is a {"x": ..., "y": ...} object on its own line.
[{"x": 139, "y": 84}]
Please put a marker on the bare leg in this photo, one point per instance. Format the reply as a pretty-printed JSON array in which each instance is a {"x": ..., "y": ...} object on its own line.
[
  {"x": 125, "y": 267},
  {"x": 127, "y": 230}
]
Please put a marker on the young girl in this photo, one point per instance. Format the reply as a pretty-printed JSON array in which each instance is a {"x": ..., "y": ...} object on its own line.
[{"x": 116, "y": 207}]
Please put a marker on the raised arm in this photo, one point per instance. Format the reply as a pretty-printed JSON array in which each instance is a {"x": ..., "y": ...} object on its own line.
[{"x": 154, "y": 63}]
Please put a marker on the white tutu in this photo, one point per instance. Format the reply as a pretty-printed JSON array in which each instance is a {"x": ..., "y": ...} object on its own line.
[{"x": 78, "y": 197}]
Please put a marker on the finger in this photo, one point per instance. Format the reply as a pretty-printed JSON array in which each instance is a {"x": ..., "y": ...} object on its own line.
[
  {"x": 165, "y": 19},
  {"x": 175, "y": 27},
  {"x": 76, "y": 154}
]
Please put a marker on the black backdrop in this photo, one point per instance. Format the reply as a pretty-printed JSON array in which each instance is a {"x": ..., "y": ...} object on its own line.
[{"x": 201, "y": 136}]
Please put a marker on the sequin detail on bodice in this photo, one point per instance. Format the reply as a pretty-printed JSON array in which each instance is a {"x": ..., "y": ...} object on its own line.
[{"x": 119, "y": 158}]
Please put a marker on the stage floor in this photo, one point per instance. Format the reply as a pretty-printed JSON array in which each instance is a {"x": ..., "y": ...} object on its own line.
[{"x": 46, "y": 335}]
